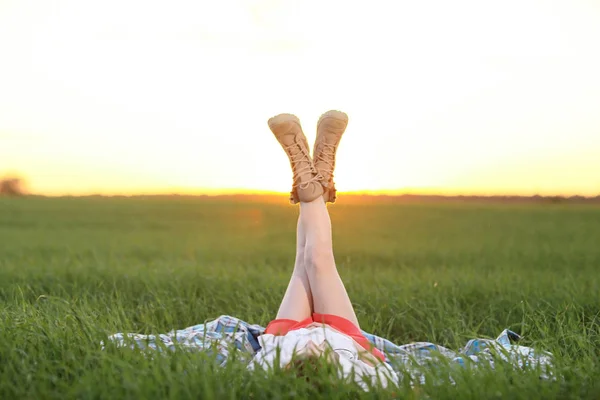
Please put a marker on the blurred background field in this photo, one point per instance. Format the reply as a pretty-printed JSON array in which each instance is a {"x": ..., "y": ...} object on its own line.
[{"x": 73, "y": 270}]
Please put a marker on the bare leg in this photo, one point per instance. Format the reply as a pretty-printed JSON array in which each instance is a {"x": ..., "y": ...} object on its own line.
[
  {"x": 297, "y": 301},
  {"x": 328, "y": 292}
]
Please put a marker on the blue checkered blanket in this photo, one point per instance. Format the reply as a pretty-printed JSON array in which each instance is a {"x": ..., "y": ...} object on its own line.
[{"x": 227, "y": 334}]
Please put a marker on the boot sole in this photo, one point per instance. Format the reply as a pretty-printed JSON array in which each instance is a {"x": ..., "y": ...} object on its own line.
[
  {"x": 282, "y": 118},
  {"x": 335, "y": 114}
]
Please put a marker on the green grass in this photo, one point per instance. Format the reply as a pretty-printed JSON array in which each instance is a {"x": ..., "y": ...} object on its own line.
[{"x": 73, "y": 271}]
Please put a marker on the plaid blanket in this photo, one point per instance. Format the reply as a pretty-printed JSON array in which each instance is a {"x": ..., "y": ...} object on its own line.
[{"x": 225, "y": 334}]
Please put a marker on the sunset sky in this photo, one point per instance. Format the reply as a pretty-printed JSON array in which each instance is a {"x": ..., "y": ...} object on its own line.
[{"x": 127, "y": 96}]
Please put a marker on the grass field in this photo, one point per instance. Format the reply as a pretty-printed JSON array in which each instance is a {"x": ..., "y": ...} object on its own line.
[{"x": 73, "y": 270}]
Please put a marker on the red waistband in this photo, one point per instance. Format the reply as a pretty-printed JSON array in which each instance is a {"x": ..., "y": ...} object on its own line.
[{"x": 280, "y": 327}]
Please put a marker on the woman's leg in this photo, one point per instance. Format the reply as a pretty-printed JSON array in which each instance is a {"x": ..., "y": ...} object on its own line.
[
  {"x": 297, "y": 300},
  {"x": 328, "y": 292},
  {"x": 314, "y": 266}
]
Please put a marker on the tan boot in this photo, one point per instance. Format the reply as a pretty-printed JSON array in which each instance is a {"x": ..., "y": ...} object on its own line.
[
  {"x": 287, "y": 130},
  {"x": 330, "y": 128}
]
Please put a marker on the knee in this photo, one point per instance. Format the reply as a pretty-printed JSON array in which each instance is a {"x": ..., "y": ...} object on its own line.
[{"x": 318, "y": 258}]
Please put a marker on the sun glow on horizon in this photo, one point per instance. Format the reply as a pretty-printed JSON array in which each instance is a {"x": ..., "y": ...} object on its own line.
[{"x": 131, "y": 97}]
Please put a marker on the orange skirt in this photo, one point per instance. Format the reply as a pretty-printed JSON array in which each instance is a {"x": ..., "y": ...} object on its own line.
[{"x": 280, "y": 327}]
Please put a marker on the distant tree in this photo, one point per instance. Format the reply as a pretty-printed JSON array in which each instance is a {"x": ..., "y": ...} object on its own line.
[
  {"x": 11, "y": 186},
  {"x": 556, "y": 199}
]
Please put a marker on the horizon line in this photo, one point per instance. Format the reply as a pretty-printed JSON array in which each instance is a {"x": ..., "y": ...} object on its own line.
[{"x": 355, "y": 193}]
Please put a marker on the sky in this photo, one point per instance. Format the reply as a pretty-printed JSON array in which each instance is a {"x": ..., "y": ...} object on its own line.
[{"x": 461, "y": 97}]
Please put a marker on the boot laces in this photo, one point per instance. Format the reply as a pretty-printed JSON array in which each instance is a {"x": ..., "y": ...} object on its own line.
[
  {"x": 327, "y": 155},
  {"x": 296, "y": 159}
]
